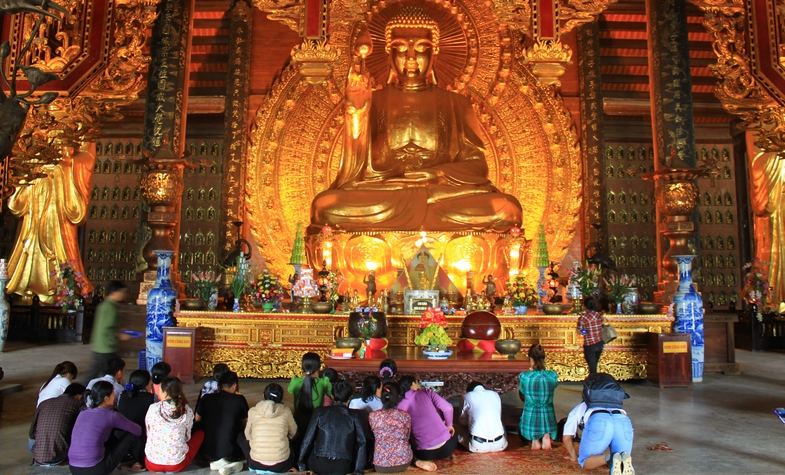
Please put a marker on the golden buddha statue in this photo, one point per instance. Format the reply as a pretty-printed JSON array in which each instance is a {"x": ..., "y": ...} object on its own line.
[
  {"x": 50, "y": 210},
  {"x": 413, "y": 158}
]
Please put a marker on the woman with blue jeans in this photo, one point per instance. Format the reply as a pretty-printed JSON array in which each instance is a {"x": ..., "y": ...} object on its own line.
[{"x": 605, "y": 426}]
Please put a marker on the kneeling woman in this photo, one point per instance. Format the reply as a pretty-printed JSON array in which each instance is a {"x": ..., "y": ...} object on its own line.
[
  {"x": 171, "y": 446},
  {"x": 332, "y": 434},
  {"x": 432, "y": 429},
  {"x": 91, "y": 451},
  {"x": 270, "y": 427}
]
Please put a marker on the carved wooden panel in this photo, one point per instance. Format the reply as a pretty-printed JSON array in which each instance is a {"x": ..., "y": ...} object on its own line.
[
  {"x": 113, "y": 233},
  {"x": 718, "y": 266},
  {"x": 200, "y": 225},
  {"x": 630, "y": 212}
]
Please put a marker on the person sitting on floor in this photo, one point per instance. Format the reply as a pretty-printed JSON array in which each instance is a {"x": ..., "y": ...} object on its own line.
[
  {"x": 94, "y": 450},
  {"x": 332, "y": 375},
  {"x": 369, "y": 398},
  {"x": 536, "y": 387},
  {"x": 606, "y": 426},
  {"x": 270, "y": 427},
  {"x": 171, "y": 446},
  {"x": 62, "y": 376},
  {"x": 392, "y": 428},
  {"x": 223, "y": 416},
  {"x": 134, "y": 403},
  {"x": 482, "y": 414},
  {"x": 114, "y": 376},
  {"x": 52, "y": 424},
  {"x": 309, "y": 391},
  {"x": 334, "y": 441},
  {"x": 432, "y": 421},
  {"x": 158, "y": 373},
  {"x": 211, "y": 386}
]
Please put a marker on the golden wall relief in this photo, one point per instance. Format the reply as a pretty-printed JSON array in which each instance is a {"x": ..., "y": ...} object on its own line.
[{"x": 531, "y": 145}]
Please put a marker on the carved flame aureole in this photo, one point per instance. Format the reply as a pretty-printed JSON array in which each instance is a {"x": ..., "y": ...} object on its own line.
[{"x": 531, "y": 146}]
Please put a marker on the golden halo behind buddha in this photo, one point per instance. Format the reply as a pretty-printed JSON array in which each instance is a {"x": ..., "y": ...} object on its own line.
[{"x": 532, "y": 149}]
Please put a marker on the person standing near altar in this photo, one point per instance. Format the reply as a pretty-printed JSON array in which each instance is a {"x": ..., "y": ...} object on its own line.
[{"x": 590, "y": 326}]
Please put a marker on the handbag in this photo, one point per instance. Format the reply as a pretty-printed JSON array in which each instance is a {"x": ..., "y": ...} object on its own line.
[{"x": 608, "y": 333}]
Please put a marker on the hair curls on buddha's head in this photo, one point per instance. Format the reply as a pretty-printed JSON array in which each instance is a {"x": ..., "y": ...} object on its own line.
[{"x": 411, "y": 16}]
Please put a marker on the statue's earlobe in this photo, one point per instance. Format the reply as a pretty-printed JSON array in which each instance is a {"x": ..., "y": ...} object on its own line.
[
  {"x": 392, "y": 78},
  {"x": 433, "y": 77}
]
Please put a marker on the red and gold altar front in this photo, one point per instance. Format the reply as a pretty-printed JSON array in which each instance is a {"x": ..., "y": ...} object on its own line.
[{"x": 270, "y": 345}]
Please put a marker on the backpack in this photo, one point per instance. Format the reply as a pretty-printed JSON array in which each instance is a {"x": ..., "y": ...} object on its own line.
[{"x": 602, "y": 390}]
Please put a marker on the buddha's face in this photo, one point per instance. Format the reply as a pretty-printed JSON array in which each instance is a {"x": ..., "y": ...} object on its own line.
[{"x": 412, "y": 52}]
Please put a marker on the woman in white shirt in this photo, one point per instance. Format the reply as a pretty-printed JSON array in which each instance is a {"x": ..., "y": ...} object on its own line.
[
  {"x": 171, "y": 446},
  {"x": 63, "y": 374},
  {"x": 369, "y": 399}
]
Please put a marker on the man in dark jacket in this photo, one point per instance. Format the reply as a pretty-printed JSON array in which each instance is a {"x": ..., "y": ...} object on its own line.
[
  {"x": 51, "y": 428},
  {"x": 334, "y": 441}
]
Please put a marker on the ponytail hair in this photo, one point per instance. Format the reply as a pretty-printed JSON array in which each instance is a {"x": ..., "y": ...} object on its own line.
[
  {"x": 173, "y": 388},
  {"x": 137, "y": 383},
  {"x": 66, "y": 367},
  {"x": 391, "y": 395},
  {"x": 537, "y": 354},
  {"x": 388, "y": 369},
  {"x": 160, "y": 371},
  {"x": 311, "y": 364},
  {"x": 99, "y": 392},
  {"x": 370, "y": 385},
  {"x": 273, "y": 392}
]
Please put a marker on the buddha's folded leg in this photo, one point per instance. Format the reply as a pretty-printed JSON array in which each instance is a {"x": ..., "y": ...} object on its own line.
[
  {"x": 496, "y": 212},
  {"x": 371, "y": 210}
]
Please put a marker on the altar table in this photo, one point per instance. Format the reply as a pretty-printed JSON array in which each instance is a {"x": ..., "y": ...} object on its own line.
[
  {"x": 270, "y": 345},
  {"x": 456, "y": 372}
]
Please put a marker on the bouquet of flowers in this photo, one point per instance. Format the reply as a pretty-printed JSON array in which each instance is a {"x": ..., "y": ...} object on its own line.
[
  {"x": 756, "y": 286},
  {"x": 204, "y": 284},
  {"x": 70, "y": 287},
  {"x": 333, "y": 282},
  {"x": 267, "y": 288},
  {"x": 521, "y": 292},
  {"x": 433, "y": 333},
  {"x": 617, "y": 286},
  {"x": 586, "y": 279},
  {"x": 240, "y": 281}
]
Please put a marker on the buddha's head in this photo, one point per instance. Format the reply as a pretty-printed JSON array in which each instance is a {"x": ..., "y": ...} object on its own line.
[{"x": 411, "y": 39}]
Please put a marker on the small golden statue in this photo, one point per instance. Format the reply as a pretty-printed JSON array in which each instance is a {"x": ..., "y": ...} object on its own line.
[{"x": 413, "y": 158}]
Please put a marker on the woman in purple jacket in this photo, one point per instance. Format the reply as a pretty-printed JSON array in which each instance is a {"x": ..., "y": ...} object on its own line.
[
  {"x": 89, "y": 453},
  {"x": 432, "y": 431}
]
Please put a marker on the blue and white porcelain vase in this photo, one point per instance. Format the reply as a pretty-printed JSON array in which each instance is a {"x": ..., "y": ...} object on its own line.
[
  {"x": 5, "y": 309},
  {"x": 160, "y": 309},
  {"x": 688, "y": 307}
]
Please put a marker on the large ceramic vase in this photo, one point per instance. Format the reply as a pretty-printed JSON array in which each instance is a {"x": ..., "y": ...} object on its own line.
[
  {"x": 688, "y": 307},
  {"x": 160, "y": 309},
  {"x": 5, "y": 309}
]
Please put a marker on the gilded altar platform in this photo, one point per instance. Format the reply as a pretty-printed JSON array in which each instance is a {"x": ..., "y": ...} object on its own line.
[{"x": 270, "y": 345}]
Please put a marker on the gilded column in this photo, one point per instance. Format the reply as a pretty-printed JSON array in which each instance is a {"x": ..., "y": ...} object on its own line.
[
  {"x": 240, "y": 34},
  {"x": 673, "y": 136},
  {"x": 164, "y": 132}
]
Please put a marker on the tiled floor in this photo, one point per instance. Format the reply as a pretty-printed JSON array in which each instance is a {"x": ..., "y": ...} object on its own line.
[{"x": 722, "y": 426}]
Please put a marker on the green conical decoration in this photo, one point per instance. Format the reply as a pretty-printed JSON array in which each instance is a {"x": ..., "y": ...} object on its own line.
[
  {"x": 541, "y": 252},
  {"x": 298, "y": 248}
]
